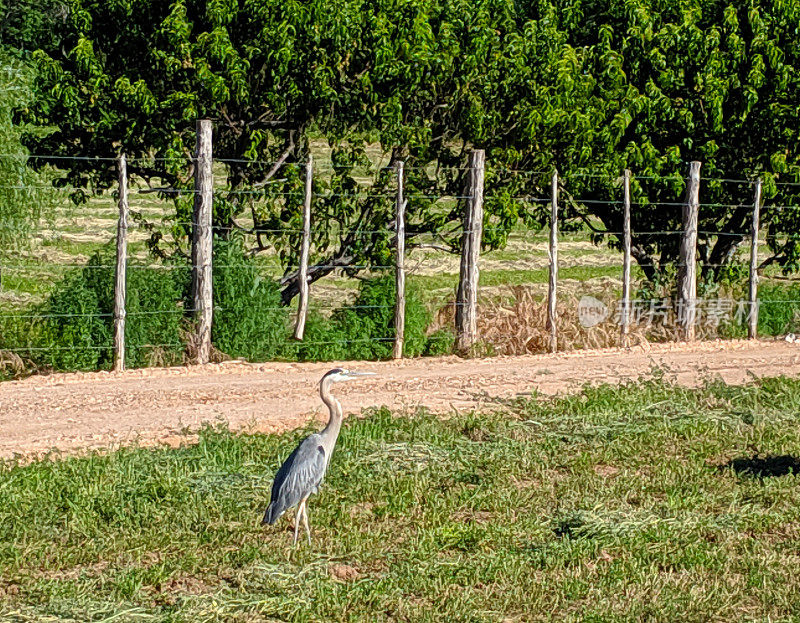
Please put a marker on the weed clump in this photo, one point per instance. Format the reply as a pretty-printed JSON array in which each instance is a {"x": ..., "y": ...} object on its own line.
[
  {"x": 364, "y": 329},
  {"x": 249, "y": 320},
  {"x": 779, "y": 309},
  {"x": 72, "y": 329}
]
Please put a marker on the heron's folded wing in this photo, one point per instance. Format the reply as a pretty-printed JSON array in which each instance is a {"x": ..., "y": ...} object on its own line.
[{"x": 300, "y": 475}]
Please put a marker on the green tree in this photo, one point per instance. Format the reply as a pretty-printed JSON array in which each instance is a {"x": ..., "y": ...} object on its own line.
[
  {"x": 27, "y": 25},
  {"x": 658, "y": 84},
  {"x": 272, "y": 75},
  {"x": 24, "y": 193},
  {"x": 588, "y": 87}
]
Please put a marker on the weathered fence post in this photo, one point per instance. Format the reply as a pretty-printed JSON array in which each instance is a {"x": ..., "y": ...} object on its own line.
[
  {"x": 626, "y": 258},
  {"x": 752, "y": 317},
  {"x": 552, "y": 312},
  {"x": 201, "y": 240},
  {"x": 400, "y": 270},
  {"x": 121, "y": 268},
  {"x": 467, "y": 296},
  {"x": 302, "y": 307},
  {"x": 687, "y": 269}
]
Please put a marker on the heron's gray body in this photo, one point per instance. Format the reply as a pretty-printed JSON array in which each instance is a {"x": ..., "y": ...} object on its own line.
[
  {"x": 302, "y": 473},
  {"x": 299, "y": 477}
]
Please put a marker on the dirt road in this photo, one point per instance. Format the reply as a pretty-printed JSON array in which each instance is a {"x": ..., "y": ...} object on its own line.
[{"x": 72, "y": 412}]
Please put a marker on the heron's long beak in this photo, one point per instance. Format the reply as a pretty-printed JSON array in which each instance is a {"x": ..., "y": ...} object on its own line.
[{"x": 361, "y": 374}]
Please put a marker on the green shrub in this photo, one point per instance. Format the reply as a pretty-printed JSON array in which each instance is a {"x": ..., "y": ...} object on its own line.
[
  {"x": 323, "y": 340},
  {"x": 153, "y": 316},
  {"x": 778, "y": 314},
  {"x": 365, "y": 328},
  {"x": 439, "y": 342},
  {"x": 74, "y": 334},
  {"x": 75, "y": 324},
  {"x": 73, "y": 328},
  {"x": 779, "y": 309},
  {"x": 249, "y": 320},
  {"x": 153, "y": 322}
]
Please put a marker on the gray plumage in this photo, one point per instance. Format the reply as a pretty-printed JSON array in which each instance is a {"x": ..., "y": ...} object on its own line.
[
  {"x": 301, "y": 474},
  {"x": 299, "y": 477}
]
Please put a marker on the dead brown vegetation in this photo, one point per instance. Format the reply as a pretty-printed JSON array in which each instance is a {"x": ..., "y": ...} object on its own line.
[{"x": 515, "y": 323}]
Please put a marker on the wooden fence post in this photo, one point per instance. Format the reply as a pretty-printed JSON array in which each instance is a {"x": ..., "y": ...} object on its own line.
[
  {"x": 302, "y": 307},
  {"x": 121, "y": 268},
  {"x": 687, "y": 269},
  {"x": 467, "y": 295},
  {"x": 626, "y": 259},
  {"x": 552, "y": 312},
  {"x": 400, "y": 271},
  {"x": 752, "y": 317},
  {"x": 201, "y": 240}
]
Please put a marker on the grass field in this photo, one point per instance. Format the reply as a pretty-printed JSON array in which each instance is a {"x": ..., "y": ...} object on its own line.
[{"x": 641, "y": 502}]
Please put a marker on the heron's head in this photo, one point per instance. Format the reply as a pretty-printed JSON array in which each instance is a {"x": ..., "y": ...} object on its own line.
[{"x": 338, "y": 375}]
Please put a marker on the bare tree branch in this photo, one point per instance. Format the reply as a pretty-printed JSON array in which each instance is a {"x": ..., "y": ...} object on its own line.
[
  {"x": 315, "y": 272},
  {"x": 424, "y": 245},
  {"x": 772, "y": 259},
  {"x": 274, "y": 169}
]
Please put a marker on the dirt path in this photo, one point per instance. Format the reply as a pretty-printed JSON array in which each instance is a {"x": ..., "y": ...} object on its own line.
[{"x": 71, "y": 412}]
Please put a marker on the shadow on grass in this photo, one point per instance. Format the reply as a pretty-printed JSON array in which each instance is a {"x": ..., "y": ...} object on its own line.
[
  {"x": 569, "y": 527},
  {"x": 764, "y": 467}
]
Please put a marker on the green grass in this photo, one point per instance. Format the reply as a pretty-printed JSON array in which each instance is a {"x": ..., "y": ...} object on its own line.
[
  {"x": 512, "y": 277},
  {"x": 579, "y": 273},
  {"x": 613, "y": 504},
  {"x": 31, "y": 275}
]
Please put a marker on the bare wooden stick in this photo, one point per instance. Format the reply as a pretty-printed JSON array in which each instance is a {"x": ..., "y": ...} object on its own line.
[
  {"x": 400, "y": 271},
  {"x": 752, "y": 318},
  {"x": 302, "y": 308},
  {"x": 201, "y": 241},
  {"x": 626, "y": 258},
  {"x": 552, "y": 312},
  {"x": 121, "y": 268},
  {"x": 687, "y": 272},
  {"x": 467, "y": 295}
]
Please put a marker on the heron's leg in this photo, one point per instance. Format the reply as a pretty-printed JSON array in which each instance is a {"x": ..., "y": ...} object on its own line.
[
  {"x": 305, "y": 521},
  {"x": 297, "y": 522}
]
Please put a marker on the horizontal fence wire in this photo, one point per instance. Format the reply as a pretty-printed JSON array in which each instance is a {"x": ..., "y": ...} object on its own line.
[
  {"x": 23, "y": 349},
  {"x": 450, "y": 303},
  {"x": 151, "y": 218},
  {"x": 187, "y": 157},
  {"x": 420, "y": 234},
  {"x": 662, "y": 304},
  {"x": 292, "y": 268}
]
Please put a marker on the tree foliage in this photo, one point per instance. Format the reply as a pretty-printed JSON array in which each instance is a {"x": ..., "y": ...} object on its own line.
[
  {"x": 587, "y": 87},
  {"x": 706, "y": 80},
  {"x": 27, "y": 25},
  {"x": 24, "y": 193}
]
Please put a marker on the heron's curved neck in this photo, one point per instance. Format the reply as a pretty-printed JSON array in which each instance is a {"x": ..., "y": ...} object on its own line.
[{"x": 335, "y": 419}]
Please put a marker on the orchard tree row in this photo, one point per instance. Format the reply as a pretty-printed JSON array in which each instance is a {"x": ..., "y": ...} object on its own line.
[{"x": 587, "y": 87}]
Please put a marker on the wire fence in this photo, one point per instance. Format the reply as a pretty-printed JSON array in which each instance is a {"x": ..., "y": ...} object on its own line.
[{"x": 57, "y": 292}]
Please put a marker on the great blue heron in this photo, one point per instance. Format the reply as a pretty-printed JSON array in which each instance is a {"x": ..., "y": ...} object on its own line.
[{"x": 301, "y": 474}]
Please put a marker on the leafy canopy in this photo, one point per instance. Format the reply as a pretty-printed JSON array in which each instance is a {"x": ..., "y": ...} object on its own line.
[
  {"x": 24, "y": 194},
  {"x": 590, "y": 88}
]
